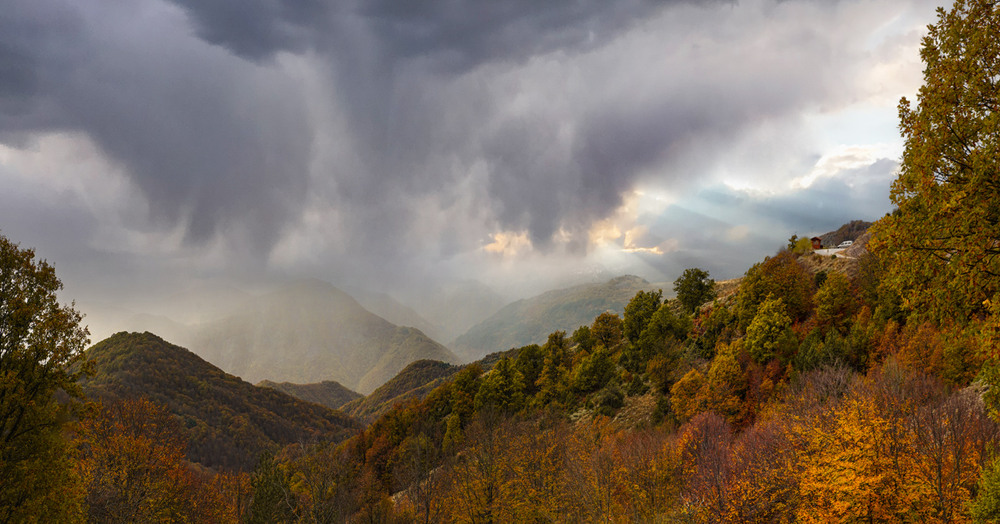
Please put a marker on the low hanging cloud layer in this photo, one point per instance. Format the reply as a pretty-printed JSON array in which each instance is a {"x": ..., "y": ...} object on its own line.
[{"x": 386, "y": 142}]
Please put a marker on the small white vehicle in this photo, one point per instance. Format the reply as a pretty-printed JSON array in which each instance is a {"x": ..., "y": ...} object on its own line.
[{"x": 846, "y": 243}]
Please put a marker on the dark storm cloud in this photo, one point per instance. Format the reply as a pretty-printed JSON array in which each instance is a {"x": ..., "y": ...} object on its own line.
[
  {"x": 256, "y": 29},
  {"x": 381, "y": 135},
  {"x": 37, "y": 41},
  {"x": 389, "y": 62},
  {"x": 185, "y": 122},
  {"x": 455, "y": 35}
]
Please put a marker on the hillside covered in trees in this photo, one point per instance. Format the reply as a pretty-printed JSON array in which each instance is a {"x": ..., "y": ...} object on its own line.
[
  {"x": 327, "y": 393},
  {"x": 228, "y": 422},
  {"x": 413, "y": 382}
]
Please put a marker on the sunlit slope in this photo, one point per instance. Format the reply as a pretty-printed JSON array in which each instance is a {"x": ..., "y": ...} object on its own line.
[
  {"x": 531, "y": 320},
  {"x": 413, "y": 382}
]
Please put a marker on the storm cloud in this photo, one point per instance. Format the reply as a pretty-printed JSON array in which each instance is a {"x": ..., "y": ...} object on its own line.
[{"x": 385, "y": 141}]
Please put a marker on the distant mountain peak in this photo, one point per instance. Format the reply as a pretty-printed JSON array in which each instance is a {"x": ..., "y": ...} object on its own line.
[{"x": 309, "y": 331}]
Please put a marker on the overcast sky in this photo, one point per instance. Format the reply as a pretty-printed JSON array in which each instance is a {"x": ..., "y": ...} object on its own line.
[{"x": 387, "y": 143}]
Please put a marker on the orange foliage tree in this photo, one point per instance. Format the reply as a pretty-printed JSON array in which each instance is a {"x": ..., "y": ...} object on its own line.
[{"x": 133, "y": 468}]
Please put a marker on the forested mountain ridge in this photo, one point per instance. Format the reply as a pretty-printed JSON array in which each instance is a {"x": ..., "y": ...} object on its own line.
[
  {"x": 309, "y": 332},
  {"x": 530, "y": 320},
  {"x": 229, "y": 422},
  {"x": 327, "y": 393},
  {"x": 413, "y": 382}
]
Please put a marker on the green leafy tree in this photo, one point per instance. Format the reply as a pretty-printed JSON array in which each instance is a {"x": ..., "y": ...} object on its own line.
[
  {"x": 986, "y": 507},
  {"x": 711, "y": 326},
  {"x": 40, "y": 340},
  {"x": 835, "y": 302},
  {"x": 272, "y": 494},
  {"x": 941, "y": 245},
  {"x": 799, "y": 246},
  {"x": 553, "y": 384},
  {"x": 583, "y": 339},
  {"x": 502, "y": 389},
  {"x": 770, "y": 334},
  {"x": 661, "y": 338},
  {"x": 529, "y": 363},
  {"x": 694, "y": 288},
  {"x": 639, "y": 311},
  {"x": 464, "y": 388},
  {"x": 594, "y": 371}
]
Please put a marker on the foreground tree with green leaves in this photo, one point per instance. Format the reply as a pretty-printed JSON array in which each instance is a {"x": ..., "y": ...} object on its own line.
[
  {"x": 942, "y": 245},
  {"x": 694, "y": 288},
  {"x": 39, "y": 340}
]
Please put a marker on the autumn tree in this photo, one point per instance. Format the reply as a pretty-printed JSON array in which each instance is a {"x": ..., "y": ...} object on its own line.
[
  {"x": 953, "y": 438},
  {"x": 761, "y": 486},
  {"x": 725, "y": 384},
  {"x": 941, "y": 244},
  {"x": 40, "y": 340},
  {"x": 418, "y": 459},
  {"x": 705, "y": 450},
  {"x": 844, "y": 467},
  {"x": 686, "y": 395},
  {"x": 317, "y": 482},
  {"x": 537, "y": 458},
  {"x": 607, "y": 330},
  {"x": 132, "y": 464},
  {"x": 648, "y": 475},
  {"x": 712, "y": 325},
  {"x": 480, "y": 476},
  {"x": 694, "y": 288}
]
